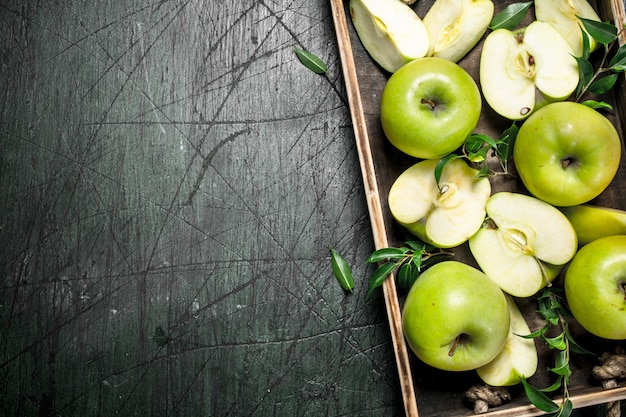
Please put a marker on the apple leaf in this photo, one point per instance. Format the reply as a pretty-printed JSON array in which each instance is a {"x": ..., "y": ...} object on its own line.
[
  {"x": 586, "y": 53},
  {"x": 603, "y": 32},
  {"x": 586, "y": 71},
  {"x": 618, "y": 62},
  {"x": 310, "y": 61},
  {"x": 341, "y": 270},
  {"x": 539, "y": 399},
  {"x": 604, "y": 84},
  {"x": 407, "y": 275},
  {"x": 378, "y": 277},
  {"x": 387, "y": 253},
  {"x": 566, "y": 408},
  {"x": 596, "y": 105},
  {"x": 511, "y": 16}
]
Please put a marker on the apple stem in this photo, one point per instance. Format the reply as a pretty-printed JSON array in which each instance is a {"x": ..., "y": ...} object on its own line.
[
  {"x": 430, "y": 102},
  {"x": 566, "y": 162},
  {"x": 454, "y": 345}
]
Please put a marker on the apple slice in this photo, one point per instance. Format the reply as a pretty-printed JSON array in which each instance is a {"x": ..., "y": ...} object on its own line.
[
  {"x": 564, "y": 16},
  {"x": 443, "y": 216},
  {"x": 524, "y": 243},
  {"x": 456, "y": 26},
  {"x": 518, "y": 358},
  {"x": 593, "y": 222},
  {"x": 391, "y": 32},
  {"x": 523, "y": 68}
]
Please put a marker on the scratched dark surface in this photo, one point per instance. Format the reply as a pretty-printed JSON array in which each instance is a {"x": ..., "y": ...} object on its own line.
[{"x": 170, "y": 180}]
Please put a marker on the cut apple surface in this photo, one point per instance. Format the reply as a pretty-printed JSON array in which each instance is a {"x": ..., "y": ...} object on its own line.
[
  {"x": 564, "y": 16},
  {"x": 391, "y": 32},
  {"x": 521, "y": 69},
  {"x": 518, "y": 358},
  {"x": 443, "y": 215},
  {"x": 455, "y": 26},
  {"x": 523, "y": 244}
]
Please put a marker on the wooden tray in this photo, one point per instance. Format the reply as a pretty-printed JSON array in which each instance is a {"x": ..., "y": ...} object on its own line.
[{"x": 440, "y": 393}]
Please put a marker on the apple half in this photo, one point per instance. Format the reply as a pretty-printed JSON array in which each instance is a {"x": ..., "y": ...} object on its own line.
[
  {"x": 390, "y": 31},
  {"x": 523, "y": 244},
  {"x": 518, "y": 358},
  {"x": 521, "y": 69},
  {"x": 455, "y": 26},
  {"x": 594, "y": 222},
  {"x": 564, "y": 16},
  {"x": 443, "y": 215}
]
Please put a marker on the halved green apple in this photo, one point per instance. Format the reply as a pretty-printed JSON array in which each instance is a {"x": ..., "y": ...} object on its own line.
[
  {"x": 593, "y": 222},
  {"x": 518, "y": 358},
  {"x": 523, "y": 244},
  {"x": 564, "y": 16},
  {"x": 456, "y": 26},
  {"x": 390, "y": 31},
  {"x": 523, "y": 68},
  {"x": 443, "y": 215}
]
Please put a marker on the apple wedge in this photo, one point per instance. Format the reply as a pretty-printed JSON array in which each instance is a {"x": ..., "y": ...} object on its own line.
[
  {"x": 593, "y": 222},
  {"x": 518, "y": 358},
  {"x": 390, "y": 31},
  {"x": 523, "y": 244},
  {"x": 455, "y": 26},
  {"x": 446, "y": 215},
  {"x": 521, "y": 69},
  {"x": 564, "y": 16}
]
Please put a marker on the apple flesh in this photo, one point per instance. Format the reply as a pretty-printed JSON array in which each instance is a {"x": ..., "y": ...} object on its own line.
[
  {"x": 521, "y": 69},
  {"x": 593, "y": 222},
  {"x": 429, "y": 107},
  {"x": 446, "y": 215},
  {"x": 390, "y": 31},
  {"x": 595, "y": 287},
  {"x": 518, "y": 358},
  {"x": 567, "y": 153},
  {"x": 455, "y": 26},
  {"x": 524, "y": 243},
  {"x": 454, "y": 318},
  {"x": 564, "y": 16}
]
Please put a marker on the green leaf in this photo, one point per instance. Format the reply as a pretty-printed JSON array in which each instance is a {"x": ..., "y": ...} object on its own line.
[
  {"x": 556, "y": 342},
  {"x": 534, "y": 334},
  {"x": 504, "y": 149},
  {"x": 561, "y": 365},
  {"x": 566, "y": 408},
  {"x": 378, "y": 277},
  {"x": 483, "y": 171},
  {"x": 341, "y": 270},
  {"x": 597, "y": 104},
  {"x": 575, "y": 347},
  {"x": 585, "y": 70},
  {"x": 556, "y": 385},
  {"x": 511, "y": 16},
  {"x": 310, "y": 61},
  {"x": 604, "y": 84},
  {"x": 407, "y": 275},
  {"x": 539, "y": 399},
  {"x": 618, "y": 62},
  {"x": 586, "y": 45},
  {"x": 603, "y": 32},
  {"x": 416, "y": 245},
  {"x": 386, "y": 253},
  {"x": 442, "y": 164}
]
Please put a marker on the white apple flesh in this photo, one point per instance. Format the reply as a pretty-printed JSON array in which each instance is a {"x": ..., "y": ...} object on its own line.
[
  {"x": 454, "y": 318},
  {"x": 524, "y": 243},
  {"x": 443, "y": 215},
  {"x": 455, "y": 26},
  {"x": 520, "y": 68},
  {"x": 518, "y": 358},
  {"x": 390, "y": 31}
]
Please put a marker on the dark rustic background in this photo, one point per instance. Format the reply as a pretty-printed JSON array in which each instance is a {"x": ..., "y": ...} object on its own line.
[{"x": 171, "y": 178}]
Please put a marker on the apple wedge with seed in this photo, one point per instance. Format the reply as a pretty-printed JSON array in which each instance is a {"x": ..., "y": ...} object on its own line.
[{"x": 523, "y": 244}]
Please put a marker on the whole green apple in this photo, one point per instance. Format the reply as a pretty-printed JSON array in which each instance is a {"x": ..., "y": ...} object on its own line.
[
  {"x": 595, "y": 287},
  {"x": 455, "y": 318},
  {"x": 567, "y": 153},
  {"x": 429, "y": 107}
]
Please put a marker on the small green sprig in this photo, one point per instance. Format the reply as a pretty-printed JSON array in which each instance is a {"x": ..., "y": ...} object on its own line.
[
  {"x": 555, "y": 314},
  {"x": 409, "y": 261}
]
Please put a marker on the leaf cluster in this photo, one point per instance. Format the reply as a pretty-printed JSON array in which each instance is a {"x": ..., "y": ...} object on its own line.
[
  {"x": 555, "y": 314},
  {"x": 409, "y": 261}
]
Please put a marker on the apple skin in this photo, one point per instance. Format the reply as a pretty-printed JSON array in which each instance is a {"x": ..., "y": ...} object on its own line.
[
  {"x": 567, "y": 153},
  {"x": 429, "y": 107},
  {"x": 455, "y": 318},
  {"x": 595, "y": 287},
  {"x": 593, "y": 222}
]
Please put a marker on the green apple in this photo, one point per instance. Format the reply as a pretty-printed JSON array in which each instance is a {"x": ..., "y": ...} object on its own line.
[
  {"x": 524, "y": 243},
  {"x": 567, "y": 153},
  {"x": 522, "y": 69},
  {"x": 593, "y": 222},
  {"x": 446, "y": 215},
  {"x": 390, "y": 31},
  {"x": 429, "y": 107},
  {"x": 455, "y": 26},
  {"x": 564, "y": 16},
  {"x": 518, "y": 358},
  {"x": 454, "y": 318},
  {"x": 595, "y": 287}
]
